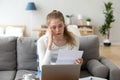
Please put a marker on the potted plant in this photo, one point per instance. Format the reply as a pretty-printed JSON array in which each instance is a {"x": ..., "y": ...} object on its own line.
[
  {"x": 109, "y": 18},
  {"x": 88, "y": 20}
]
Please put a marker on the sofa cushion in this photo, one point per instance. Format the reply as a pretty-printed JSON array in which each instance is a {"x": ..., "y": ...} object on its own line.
[
  {"x": 8, "y": 53},
  {"x": 20, "y": 73},
  {"x": 14, "y": 31},
  {"x": 84, "y": 73},
  {"x": 7, "y": 75},
  {"x": 90, "y": 46},
  {"x": 26, "y": 54},
  {"x": 97, "y": 69}
]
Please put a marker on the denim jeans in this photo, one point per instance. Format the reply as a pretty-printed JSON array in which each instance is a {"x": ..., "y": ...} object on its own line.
[{"x": 38, "y": 74}]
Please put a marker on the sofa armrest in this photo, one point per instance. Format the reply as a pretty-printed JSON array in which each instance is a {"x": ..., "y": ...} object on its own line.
[
  {"x": 97, "y": 69},
  {"x": 114, "y": 71}
]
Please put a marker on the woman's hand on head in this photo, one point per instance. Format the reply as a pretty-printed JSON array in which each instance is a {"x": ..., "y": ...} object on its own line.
[
  {"x": 50, "y": 34},
  {"x": 79, "y": 61},
  {"x": 50, "y": 40}
]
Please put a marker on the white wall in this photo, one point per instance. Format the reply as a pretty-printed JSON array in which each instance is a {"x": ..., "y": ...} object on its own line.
[{"x": 13, "y": 12}]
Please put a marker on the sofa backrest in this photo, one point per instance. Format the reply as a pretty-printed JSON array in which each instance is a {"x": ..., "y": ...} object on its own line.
[
  {"x": 90, "y": 46},
  {"x": 26, "y": 54},
  {"x": 21, "y": 52},
  {"x": 26, "y": 51},
  {"x": 8, "y": 53}
]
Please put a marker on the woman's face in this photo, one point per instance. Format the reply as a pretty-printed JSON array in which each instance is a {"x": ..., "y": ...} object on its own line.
[{"x": 57, "y": 26}]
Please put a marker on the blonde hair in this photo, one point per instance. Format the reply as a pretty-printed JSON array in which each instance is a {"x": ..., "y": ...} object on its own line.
[{"x": 58, "y": 15}]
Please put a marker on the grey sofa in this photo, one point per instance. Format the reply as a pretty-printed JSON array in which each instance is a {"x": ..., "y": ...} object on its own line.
[{"x": 18, "y": 57}]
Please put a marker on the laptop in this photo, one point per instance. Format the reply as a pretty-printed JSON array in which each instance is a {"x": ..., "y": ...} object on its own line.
[{"x": 61, "y": 72}]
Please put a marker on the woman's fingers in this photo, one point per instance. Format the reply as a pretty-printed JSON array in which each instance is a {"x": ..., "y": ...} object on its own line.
[{"x": 79, "y": 61}]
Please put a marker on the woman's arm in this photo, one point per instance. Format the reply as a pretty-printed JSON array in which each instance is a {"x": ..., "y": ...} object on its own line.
[{"x": 43, "y": 53}]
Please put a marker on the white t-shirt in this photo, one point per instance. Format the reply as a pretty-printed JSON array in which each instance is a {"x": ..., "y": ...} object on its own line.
[{"x": 50, "y": 56}]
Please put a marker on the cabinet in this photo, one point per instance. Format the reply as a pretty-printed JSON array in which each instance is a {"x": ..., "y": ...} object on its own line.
[
  {"x": 40, "y": 31},
  {"x": 86, "y": 30}
]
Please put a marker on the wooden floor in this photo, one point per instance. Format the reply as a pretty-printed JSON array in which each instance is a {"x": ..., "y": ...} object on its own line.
[{"x": 112, "y": 53}]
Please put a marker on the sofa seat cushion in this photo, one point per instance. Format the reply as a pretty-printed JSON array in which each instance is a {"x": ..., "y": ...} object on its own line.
[
  {"x": 8, "y": 59},
  {"x": 7, "y": 75},
  {"x": 26, "y": 54},
  {"x": 84, "y": 73},
  {"x": 20, "y": 73}
]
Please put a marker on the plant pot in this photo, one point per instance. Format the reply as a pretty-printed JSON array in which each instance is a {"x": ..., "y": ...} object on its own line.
[
  {"x": 88, "y": 23},
  {"x": 107, "y": 42}
]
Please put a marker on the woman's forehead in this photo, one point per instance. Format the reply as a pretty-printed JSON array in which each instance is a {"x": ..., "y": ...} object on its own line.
[{"x": 56, "y": 22}]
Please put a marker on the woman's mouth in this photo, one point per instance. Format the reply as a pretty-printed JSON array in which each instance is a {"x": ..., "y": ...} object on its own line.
[{"x": 58, "y": 33}]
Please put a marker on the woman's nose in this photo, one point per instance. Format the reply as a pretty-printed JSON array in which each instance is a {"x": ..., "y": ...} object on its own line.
[{"x": 57, "y": 29}]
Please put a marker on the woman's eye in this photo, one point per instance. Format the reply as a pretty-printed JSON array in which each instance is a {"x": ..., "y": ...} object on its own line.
[
  {"x": 60, "y": 26},
  {"x": 54, "y": 27}
]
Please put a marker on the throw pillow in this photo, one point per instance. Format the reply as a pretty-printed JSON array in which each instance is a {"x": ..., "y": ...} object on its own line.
[
  {"x": 8, "y": 53},
  {"x": 14, "y": 31},
  {"x": 74, "y": 29},
  {"x": 97, "y": 69},
  {"x": 26, "y": 53}
]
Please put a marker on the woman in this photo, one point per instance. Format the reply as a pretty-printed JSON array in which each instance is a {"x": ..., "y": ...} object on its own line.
[{"x": 58, "y": 38}]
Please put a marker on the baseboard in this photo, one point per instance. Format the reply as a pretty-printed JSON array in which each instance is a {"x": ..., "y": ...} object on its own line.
[
  {"x": 113, "y": 43},
  {"x": 116, "y": 43}
]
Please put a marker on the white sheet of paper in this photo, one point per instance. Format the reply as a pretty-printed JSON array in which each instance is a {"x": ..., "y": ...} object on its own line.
[
  {"x": 92, "y": 78},
  {"x": 68, "y": 56}
]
